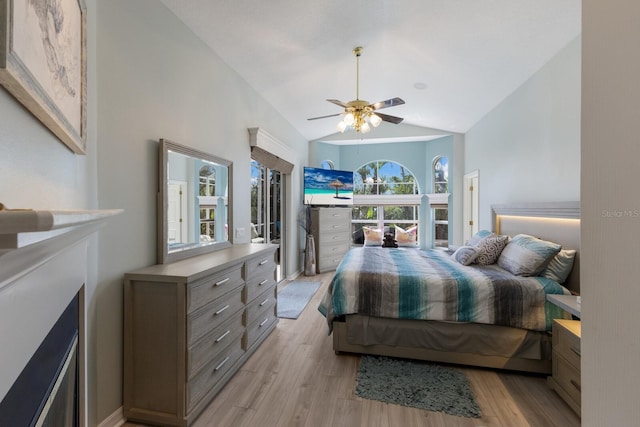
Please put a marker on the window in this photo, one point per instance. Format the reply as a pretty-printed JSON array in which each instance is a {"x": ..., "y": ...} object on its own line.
[
  {"x": 441, "y": 212},
  {"x": 383, "y": 187},
  {"x": 207, "y": 188}
]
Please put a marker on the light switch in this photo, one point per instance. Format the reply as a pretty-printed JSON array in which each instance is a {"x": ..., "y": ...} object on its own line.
[{"x": 241, "y": 232}]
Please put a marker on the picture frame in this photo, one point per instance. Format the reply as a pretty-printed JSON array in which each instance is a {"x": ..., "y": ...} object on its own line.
[{"x": 43, "y": 63}]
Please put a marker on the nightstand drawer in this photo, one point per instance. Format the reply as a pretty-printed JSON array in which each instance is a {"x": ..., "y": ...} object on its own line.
[
  {"x": 565, "y": 341},
  {"x": 568, "y": 378}
]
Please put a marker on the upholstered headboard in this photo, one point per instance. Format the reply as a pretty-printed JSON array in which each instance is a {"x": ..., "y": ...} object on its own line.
[{"x": 557, "y": 222}]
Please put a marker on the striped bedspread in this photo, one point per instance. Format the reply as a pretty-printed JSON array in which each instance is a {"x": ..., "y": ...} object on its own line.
[{"x": 414, "y": 284}]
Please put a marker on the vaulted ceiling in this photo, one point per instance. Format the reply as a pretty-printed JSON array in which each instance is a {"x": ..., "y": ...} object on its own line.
[{"x": 452, "y": 61}]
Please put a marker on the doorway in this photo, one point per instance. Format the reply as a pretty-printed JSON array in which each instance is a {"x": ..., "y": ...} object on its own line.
[{"x": 267, "y": 211}]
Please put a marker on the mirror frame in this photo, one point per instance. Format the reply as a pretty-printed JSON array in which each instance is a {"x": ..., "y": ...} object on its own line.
[{"x": 163, "y": 254}]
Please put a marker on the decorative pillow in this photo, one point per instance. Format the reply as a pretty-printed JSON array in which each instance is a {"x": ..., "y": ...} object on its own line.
[
  {"x": 527, "y": 255},
  {"x": 560, "y": 266},
  {"x": 372, "y": 236},
  {"x": 475, "y": 239},
  {"x": 490, "y": 248},
  {"x": 465, "y": 255},
  {"x": 406, "y": 237}
]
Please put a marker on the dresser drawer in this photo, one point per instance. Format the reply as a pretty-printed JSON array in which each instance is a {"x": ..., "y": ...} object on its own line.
[
  {"x": 258, "y": 268},
  {"x": 211, "y": 287},
  {"x": 211, "y": 316},
  {"x": 260, "y": 305},
  {"x": 213, "y": 343},
  {"x": 565, "y": 343},
  {"x": 258, "y": 284},
  {"x": 333, "y": 215},
  {"x": 333, "y": 248},
  {"x": 213, "y": 372},
  {"x": 567, "y": 377},
  {"x": 330, "y": 239},
  {"x": 260, "y": 326},
  {"x": 329, "y": 262}
]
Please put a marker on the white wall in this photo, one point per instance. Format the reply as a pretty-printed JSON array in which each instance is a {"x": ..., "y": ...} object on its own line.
[
  {"x": 157, "y": 80},
  {"x": 528, "y": 148},
  {"x": 610, "y": 206}
]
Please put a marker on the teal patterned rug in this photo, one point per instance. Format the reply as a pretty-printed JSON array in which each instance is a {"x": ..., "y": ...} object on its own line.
[
  {"x": 416, "y": 384},
  {"x": 294, "y": 297}
]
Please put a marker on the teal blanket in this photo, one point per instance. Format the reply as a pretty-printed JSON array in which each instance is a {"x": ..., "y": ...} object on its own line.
[{"x": 408, "y": 283}]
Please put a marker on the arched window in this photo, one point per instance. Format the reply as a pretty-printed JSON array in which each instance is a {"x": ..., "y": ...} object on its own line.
[{"x": 384, "y": 191}]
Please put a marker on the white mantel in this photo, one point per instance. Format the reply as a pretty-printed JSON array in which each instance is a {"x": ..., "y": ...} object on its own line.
[{"x": 43, "y": 265}]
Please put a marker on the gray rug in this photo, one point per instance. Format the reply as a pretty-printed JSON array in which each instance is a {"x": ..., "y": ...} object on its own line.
[
  {"x": 417, "y": 384},
  {"x": 294, "y": 297}
]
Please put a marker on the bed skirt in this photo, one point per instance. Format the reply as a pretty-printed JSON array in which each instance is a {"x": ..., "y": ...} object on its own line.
[{"x": 449, "y": 342}]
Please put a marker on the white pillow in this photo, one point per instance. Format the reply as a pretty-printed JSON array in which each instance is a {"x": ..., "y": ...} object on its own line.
[
  {"x": 372, "y": 236},
  {"x": 560, "y": 266},
  {"x": 406, "y": 237}
]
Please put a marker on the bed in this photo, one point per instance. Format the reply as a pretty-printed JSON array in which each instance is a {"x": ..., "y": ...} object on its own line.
[{"x": 405, "y": 302}]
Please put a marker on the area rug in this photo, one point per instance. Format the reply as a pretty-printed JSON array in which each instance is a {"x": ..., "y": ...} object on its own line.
[
  {"x": 417, "y": 384},
  {"x": 294, "y": 297}
]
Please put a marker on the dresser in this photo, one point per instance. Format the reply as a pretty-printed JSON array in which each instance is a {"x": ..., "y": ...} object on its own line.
[
  {"x": 332, "y": 235},
  {"x": 565, "y": 378},
  {"x": 190, "y": 325}
]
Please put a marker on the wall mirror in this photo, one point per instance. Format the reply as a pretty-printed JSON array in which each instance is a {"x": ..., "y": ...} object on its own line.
[{"x": 194, "y": 209}]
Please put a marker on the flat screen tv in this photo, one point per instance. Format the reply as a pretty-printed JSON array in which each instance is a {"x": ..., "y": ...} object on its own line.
[{"x": 327, "y": 187}]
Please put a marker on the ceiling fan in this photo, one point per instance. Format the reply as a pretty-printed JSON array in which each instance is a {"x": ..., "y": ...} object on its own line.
[{"x": 359, "y": 114}]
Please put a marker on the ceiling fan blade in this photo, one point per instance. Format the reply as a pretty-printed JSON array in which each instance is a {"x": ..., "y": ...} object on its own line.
[
  {"x": 324, "y": 117},
  {"x": 390, "y": 119},
  {"x": 388, "y": 103},
  {"x": 340, "y": 103}
]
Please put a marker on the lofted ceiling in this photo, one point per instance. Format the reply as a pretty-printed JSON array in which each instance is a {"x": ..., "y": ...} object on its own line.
[{"x": 452, "y": 61}]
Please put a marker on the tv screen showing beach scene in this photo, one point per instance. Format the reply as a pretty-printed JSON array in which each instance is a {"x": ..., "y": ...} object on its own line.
[{"x": 327, "y": 187}]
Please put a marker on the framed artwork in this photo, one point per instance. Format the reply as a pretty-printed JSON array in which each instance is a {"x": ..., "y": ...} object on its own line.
[{"x": 43, "y": 63}]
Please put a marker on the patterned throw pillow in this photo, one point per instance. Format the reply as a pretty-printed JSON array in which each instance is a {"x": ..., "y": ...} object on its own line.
[
  {"x": 406, "y": 237},
  {"x": 560, "y": 266},
  {"x": 372, "y": 236},
  {"x": 527, "y": 255},
  {"x": 490, "y": 248},
  {"x": 465, "y": 255},
  {"x": 476, "y": 238}
]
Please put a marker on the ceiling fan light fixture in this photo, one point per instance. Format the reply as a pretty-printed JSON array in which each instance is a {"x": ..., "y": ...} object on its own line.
[
  {"x": 375, "y": 120},
  {"x": 365, "y": 128},
  {"x": 349, "y": 119},
  {"x": 342, "y": 126}
]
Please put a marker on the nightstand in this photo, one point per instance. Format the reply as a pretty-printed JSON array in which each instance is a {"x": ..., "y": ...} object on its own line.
[
  {"x": 569, "y": 303},
  {"x": 565, "y": 378}
]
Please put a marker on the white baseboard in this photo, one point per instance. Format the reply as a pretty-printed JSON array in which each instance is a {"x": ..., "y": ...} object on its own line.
[
  {"x": 114, "y": 420},
  {"x": 291, "y": 277}
]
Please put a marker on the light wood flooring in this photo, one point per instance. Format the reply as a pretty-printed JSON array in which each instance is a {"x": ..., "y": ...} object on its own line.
[{"x": 295, "y": 379}]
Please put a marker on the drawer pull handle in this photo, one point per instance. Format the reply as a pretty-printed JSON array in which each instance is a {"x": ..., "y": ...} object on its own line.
[
  {"x": 336, "y": 215},
  {"x": 263, "y": 282},
  {"x": 263, "y": 262},
  {"x": 222, "y": 282},
  {"x": 577, "y": 352},
  {"x": 337, "y": 226},
  {"x": 217, "y": 368},
  {"x": 263, "y": 322},
  {"x": 221, "y": 337},
  {"x": 576, "y": 385},
  {"x": 222, "y": 309},
  {"x": 264, "y": 302}
]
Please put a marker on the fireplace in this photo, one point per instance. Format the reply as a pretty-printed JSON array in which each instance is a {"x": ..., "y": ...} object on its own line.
[
  {"x": 43, "y": 282},
  {"x": 46, "y": 391}
]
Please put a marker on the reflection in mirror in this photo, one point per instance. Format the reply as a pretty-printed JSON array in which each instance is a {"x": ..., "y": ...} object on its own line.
[{"x": 193, "y": 211}]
